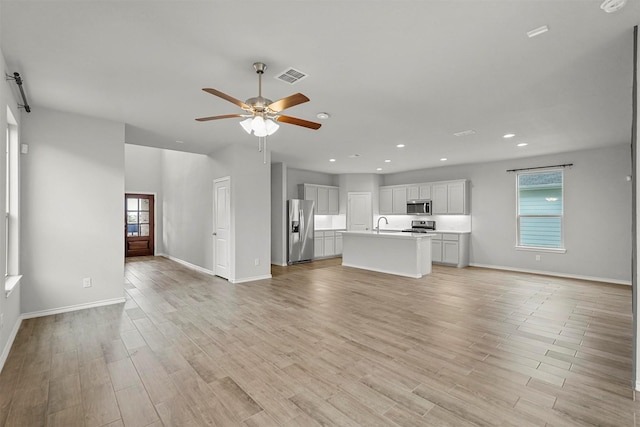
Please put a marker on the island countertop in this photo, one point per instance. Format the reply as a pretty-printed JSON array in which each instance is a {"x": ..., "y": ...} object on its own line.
[{"x": 387, "y": 234}]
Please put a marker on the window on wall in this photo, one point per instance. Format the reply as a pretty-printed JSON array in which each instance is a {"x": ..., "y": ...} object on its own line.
[
  {"x": 540, "y": 210},
  {"x": 12, "y": 205}
]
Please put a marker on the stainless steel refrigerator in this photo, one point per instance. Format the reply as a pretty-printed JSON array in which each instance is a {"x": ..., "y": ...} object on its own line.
[{"x": 300, "y": 224}]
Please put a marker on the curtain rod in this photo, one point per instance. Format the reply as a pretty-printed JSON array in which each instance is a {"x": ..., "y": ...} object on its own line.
[
  {"x": 16, "y": 78},
  {"x": 540, "y": 167}
]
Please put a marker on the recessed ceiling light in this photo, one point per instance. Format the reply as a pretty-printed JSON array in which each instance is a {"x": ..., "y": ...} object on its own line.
[
  {"x": 400, "y": 145},
  {"x": 323, "y": 116},
  {"x": 378, "y": 169},
  {"x": 332, "y": 160},
  {"x": 180, "y": 142},
  {"x": 537, "y": 31},
  {"x": 444, "y": 159},
  {"x": 509, "y": 135},
  {"x": 522, "y": 144},
  {"x": 387, "y": 161}
]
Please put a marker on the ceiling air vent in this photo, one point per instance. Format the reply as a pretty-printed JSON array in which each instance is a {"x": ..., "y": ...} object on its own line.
[{"x": 291, "y": 76}]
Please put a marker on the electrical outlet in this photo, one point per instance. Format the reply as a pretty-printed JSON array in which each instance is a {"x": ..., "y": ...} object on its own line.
[
  {"x": 86, "y": 282},
  {"x": 256, "y": 261},
  {"x": 537, "y": 257}
]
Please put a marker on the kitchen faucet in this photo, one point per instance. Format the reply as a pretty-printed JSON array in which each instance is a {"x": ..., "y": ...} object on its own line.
[{"x": 378, "y": 226}]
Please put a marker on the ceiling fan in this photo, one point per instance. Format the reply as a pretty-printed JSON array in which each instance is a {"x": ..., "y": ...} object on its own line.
[{"x": 261, "y": 114}]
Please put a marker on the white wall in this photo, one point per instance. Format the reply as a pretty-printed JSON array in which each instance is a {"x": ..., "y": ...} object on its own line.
[
  {"x": 301, "y": 176},
  {"x": 187, "y": 206},
  {"x": 597, "y": 213},
  {"x": 10, "y": 306},
  {"x": 143, "y": 174},
  {"x": 278, "y": 214},
  {"x": 72, "y": 210}
]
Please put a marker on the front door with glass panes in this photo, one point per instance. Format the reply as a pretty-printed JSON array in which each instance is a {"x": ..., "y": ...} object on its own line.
[{"x": 138, "y": 227}]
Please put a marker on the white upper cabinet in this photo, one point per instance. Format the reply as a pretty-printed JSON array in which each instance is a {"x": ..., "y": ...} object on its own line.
[
  {"x": 309, "y": 192},
  {"x": 386, "y": 200},
  {"x": 451, "y": 197},
  {"x": 326, "y": 198},
  {"x": 400, "y": 200},
  {"x": 419, "y": 192},
  {"x": 448, "y": 197},
  {"x": 322, "y": 207},
  {"x": 413, "y": 192},
  {"x": 439, "y": 199},
  {"x": 393, "y": 200},
  {"x": 456, "y": 197},
  {"x": 424, "y": 191},
  {"x": 334, "y": 200}
]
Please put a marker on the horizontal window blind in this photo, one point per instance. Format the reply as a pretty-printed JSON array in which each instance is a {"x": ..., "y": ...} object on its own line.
[{"x": 540, "y": 209}]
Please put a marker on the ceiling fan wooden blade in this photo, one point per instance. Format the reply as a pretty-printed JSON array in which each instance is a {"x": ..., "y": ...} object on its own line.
[
  {"x": 299, "y": 122},
  {"x": 226, "y": 116},
  {"x": 227, "y": 97},
  {"x": 288, "y": 102}
]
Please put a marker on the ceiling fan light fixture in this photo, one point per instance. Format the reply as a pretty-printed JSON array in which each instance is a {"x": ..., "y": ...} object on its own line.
[
  {"x": 260, "y": 126},
  {"x": 246, "y": 125},
  {"x": 271, "y": 126}
]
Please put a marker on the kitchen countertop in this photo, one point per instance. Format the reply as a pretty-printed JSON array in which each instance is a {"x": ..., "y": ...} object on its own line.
[
  {"x": 391, "y": 230},
  {"x": 388, "y": 234}
]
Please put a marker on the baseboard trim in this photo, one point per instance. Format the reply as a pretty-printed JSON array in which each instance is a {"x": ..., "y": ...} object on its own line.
[
  {"x": 9, "y": 344},
  {"x": 553, "y": 273},
  {"x": 211, "y": 273},
  {"x": 70, "y": 308},
  {"x": 188, "y": 264},
  {"x": 250, "y": 279}
]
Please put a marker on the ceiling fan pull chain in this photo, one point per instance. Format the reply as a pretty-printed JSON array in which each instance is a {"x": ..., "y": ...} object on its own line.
[
  {"x": 264, "y": 151},
  {"x": 259, "y": 144}
]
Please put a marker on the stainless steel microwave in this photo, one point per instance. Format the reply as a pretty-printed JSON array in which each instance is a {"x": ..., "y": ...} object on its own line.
[{"x": 418, "y": 207}]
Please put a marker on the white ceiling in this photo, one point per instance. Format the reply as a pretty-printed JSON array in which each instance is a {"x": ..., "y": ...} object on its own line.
[{"x": 388, "y": 72}]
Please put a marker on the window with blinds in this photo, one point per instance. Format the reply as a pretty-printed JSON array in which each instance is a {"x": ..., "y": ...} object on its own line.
[{"x": 540, "y": 209}]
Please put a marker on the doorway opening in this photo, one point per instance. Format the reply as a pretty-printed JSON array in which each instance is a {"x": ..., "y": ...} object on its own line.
[{"x": 139, "y": 227}]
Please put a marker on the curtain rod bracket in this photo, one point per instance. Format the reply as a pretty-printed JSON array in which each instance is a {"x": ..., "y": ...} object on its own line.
[{"x": 16, "y": 78}]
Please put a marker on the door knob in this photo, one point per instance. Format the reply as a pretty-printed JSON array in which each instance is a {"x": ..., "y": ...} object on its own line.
[{"x": 214, "y": 234}]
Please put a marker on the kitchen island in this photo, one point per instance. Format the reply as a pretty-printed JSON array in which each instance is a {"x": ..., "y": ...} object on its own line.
[{"x": 403, "y": 254}]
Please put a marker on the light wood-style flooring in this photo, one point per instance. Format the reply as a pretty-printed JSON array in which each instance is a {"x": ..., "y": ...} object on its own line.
[{"x": 322, "y": 344}]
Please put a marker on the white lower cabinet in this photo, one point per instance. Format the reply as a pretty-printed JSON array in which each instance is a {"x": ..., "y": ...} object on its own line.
[
  {"x": 436, "y": 248},
  {"x": 338, "y": 243},
  {"x": 450, "y": 248},
  {"x": 450, "y": 252},
  {"x": 318, "y": 244},
  {"x": 327, "y": 244}
]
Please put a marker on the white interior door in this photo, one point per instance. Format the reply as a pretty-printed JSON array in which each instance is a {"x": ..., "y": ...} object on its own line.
[
  {"x": 221, "y": 227},
  {"x": 359, "y": 211}
]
